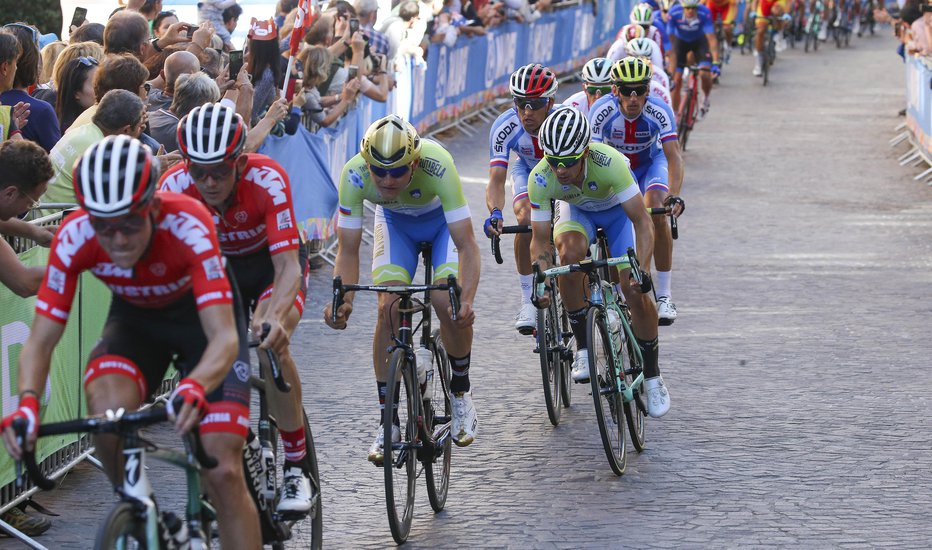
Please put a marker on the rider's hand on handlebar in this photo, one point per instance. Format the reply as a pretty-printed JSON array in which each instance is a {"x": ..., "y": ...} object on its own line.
[
  {"x": 187, "y": 404},
  {"x": 493, "y": 224},
  {"x": 276, "y": 339},
  {"x": 343, "y": 314},
  {"x": 646, "y": 284},
  {"x": 716, "y": 69},
  {"x": 465, "y": 317},
  {"x": 676, "y": 204},
  {"x": 29, "y": 411}
]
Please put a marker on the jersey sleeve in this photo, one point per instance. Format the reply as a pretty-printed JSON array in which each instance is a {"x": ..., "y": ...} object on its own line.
[
  {"x": 209, "y": 280},
  {"x": 707, "y": 26},
  {"x": 280, "y": 223},
  {"x": 505, "y": 131},
  {"x": 449, "y": 188},
  {"x": 67, "y": 259},
  {"x": 352, "y": 189},
  {"x": 600, "y": 117},
  {"x": 623, "y": 183},
  {"x": 617, "y": 50},
  {"x": 541, "y": 186}
]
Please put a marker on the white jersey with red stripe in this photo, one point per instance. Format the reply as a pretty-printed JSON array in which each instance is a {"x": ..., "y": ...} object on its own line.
[
  {"x": 659, "y": 91},
  {"x": 660, "y": 77},
  {"x": 580, "y": 101},
  {"x": 617, "y": 52}
]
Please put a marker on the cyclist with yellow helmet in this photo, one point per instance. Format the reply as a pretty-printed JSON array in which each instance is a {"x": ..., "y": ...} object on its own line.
[
  {"x": 644, "y": 129},
  {"x": 418, "y": 198}
]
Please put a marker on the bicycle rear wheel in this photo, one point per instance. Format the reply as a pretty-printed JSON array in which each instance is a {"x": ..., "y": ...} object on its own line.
[
  {"x": 685, "y": 124},
  {"x": 400, "y": 462},
  {"x": 124, "y": 528},
  {"x": 548, "y": 344},
  {"x": 437, "y": 471},
  {"x": 608, "y": 402},
  {"x": 315, "y": 516}
]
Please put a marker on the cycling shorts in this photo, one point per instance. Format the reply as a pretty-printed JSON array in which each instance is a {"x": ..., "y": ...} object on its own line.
[
  {"x": 518, "y": 182},
  {"x": 255, "y": 275},
  {"x": 765, "y": 7},
  {"x": 699, "y": 48},
  {"x": 397, "y": 245},
  {"x": 141, "y": 343},
  {"x": 653, "y": 175},
  {"x": 613, "y": 221},
  {"x": 726, "y": 12}
]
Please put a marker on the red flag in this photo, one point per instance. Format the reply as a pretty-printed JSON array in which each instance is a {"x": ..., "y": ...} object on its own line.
[{"x": 302, "y": 24}]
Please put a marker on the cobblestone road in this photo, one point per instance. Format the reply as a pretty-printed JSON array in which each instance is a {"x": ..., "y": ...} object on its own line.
[{"x": 798, "y": 368}]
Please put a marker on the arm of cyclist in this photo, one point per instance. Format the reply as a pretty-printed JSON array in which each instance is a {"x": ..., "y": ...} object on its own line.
[
  {"x": 346, "y": 266},
  {"x": 671, "y": 149},
  {"x": 34, "y": 362},
  {"x": 495, "y": 198},
  {"x": 286, "y": 283},
  {"x": 643, "y": 230},
  {"x": 541, "y": 255},
  {"x": 469, "y": 262}
]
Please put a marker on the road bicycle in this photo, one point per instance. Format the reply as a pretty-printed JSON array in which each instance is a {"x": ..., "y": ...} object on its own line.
[
  {"x": 867, "y": 17},
  {"x": 770, "y": 47},
  {"x": 423, "y": 400},
  {"x": 814, "y": 26},
  {"x": 615, "y": 362},
  {"x": 689, "y": 105},
  {"x": 841, "y": 23},
  {"x": 553, "y": 341}
]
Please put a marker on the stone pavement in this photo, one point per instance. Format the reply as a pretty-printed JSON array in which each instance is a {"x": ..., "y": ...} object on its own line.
[{"x": 798, "y": 367}]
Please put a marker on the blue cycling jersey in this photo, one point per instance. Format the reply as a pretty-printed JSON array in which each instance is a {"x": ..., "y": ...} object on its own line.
[
  {"x": 639, "y": 139},
  {"x": 690, "y": 30}
]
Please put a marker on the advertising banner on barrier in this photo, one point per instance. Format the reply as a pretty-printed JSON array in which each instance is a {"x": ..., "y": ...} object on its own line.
[{"x": 919, "y": 100}]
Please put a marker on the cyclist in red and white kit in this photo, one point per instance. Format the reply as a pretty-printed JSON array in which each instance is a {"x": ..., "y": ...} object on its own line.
[
  {"x": 597, "y": 81},
  {"x": 250, "y": 199},
  {"x": 159, "y": 255}
]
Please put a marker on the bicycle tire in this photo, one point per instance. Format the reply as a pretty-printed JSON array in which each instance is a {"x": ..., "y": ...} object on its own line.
[
  {"x": 548, "y": 353},
  {"x": 636, "y": 408},
  {"x": 765, "y": 66},
  {"x": 685, "y": 125},
  {"x": 568, "y": 344},
  {"x": 808, "y": 40},
  {"x": 400, "y": 456},
  {"x": 608, "y": 402},
  {"x": 121, "y": 527},
  {"x": 316, "y": 514},
  {"x": 438, "y": 486}
]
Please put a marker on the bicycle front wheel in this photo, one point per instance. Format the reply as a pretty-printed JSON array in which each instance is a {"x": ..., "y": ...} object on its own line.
[
  {"x": 400, "y": 462},
  {"x": 124, "y": 528},
  {"x": 439, "y": 416},
  {"x": 567, "y": 345},
  {"x": 631, "y": 368},
  {"x": 604, "y": 381},
  {"x": 548, "y": 343}
]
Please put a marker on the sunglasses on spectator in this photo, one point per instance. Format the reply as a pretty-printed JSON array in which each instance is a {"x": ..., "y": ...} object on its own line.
[
  {"x": 592, "y": 90},
  {"x": 35, "y": 33},
  {"x": 568, "y": 161},
  {"x": 628, "y": 91},
  {"x": 396, "y": 172},
  {"x": 88, "y": 61},
  {"x": 127, "y": 225},
  {"x": 35, "y": 203},
  {"x": 201, "y": 172},
  {"x": 535, "y": 104}
]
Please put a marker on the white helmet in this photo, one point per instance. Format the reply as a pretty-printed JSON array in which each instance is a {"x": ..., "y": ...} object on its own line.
[
  {"x": 640, "y": 47},
  {"x": 115, "y": 177},
  {"x": 565, "y": 132},
  {"x": 642, "y": 14},
  {"x": 597, "y": 70}
]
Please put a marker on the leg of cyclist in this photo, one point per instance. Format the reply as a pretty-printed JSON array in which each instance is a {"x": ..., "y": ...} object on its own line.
[
  {"x": 572, "y": 236},
  {"x": 680, "y": 54},
  {"x": 760, "y": 35},
  {"x": 526, "y": 321},
  {"x": 226, "y": 484},
  {"x": 111, "y": 392},
  {"x": 706, "y": 60}
]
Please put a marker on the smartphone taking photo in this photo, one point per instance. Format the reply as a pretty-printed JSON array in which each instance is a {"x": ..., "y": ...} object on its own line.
[
  {"x": 353, "y": 71},
  {"x": 80, "y": 14},
  {"x": 353, "y": 26},
  {"x": 191, "y": 29},
  {"x": 236, "y": 63}
]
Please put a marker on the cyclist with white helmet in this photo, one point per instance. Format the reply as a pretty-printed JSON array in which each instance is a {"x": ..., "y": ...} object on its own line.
[
  {"x": 418, "y": 198},
  {"x": 693, "y": 34},
  {"x": 645, "y": 47},
  {"x": 627, "y": 33},
  {"x": 249, "y": 196},
  {"x": 172, "y": 304},
  {"x": 532, "y": 87},
  {"x": 597, "y": 81},
  {"x": 659, "y": 83},
  {"x": 644, "y": 129},
  {"x": 593, "y": 188}
]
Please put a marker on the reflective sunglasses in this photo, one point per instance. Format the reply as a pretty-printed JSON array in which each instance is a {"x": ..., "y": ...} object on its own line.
[
  {"x": 219, "y": 171},
  {"x": 396, "y": 172},
  {"x": 535, "y": 104},
  {"x": 568, "y": 161},
  {"x": 87, "y": 61},
  {"x": 35, "y": 33},
  {"x": 592, "y": 90},
  {"x": 627, "y": 91},
  {"x": 127, "y": 225}
]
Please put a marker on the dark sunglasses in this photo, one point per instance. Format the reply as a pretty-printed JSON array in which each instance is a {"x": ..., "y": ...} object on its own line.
[
  {"x": 201, "y": 172},
  {"x": 127, "y": 225},
  {"x": 35, "y": 33},
  {"x": 396, "y": 172},
  {"x": 535, "y": 104},
  {"x": 88, "y": 61},
  {"x": 568, "y": 161},
  {"x": 592, "y": 90},
  {"x": 628, "y": 91}
]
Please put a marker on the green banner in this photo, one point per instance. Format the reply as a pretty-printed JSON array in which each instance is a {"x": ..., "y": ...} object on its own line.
[{"x": 63, "y": 397}]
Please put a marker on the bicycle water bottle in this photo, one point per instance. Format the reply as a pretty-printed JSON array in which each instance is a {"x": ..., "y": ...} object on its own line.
[
  {"x": 614, "y": 326},
  {"x": 424, "y": 360},
  {"x": 268, "y": 467}
]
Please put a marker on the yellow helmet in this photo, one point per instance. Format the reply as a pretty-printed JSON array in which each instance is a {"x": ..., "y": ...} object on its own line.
[
  {"x": 631, "y": 70},
  {"x": 390, "y": 142}
]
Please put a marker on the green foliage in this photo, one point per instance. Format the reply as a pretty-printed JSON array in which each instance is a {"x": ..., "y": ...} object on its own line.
[{"x": 44, "y": 14}]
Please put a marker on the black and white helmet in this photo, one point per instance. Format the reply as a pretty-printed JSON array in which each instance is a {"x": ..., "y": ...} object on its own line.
[
  {"x": 211, "y": 133},
  {"x": 565, "y": 132},
  {"x": 115, "y": 177},
  {"x": 597, "y": 70}
]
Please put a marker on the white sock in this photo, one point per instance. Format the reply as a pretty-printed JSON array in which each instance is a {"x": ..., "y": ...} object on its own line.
[
  {"x": 663, "y": 283},
  {"x": 526, "y": 284}
]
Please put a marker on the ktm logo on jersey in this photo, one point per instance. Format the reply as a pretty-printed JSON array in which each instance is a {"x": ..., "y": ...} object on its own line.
[
  {"x": 271, "y": 181},
  {"x": 72, "y": 237},
  {"x": 112, "y": 270},
  {"x": 189, "y": 230},
  {"x": 177, "y": 181}
]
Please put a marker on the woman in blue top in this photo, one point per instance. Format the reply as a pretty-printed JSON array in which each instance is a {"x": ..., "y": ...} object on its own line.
[{"x": 43, "y": 122}]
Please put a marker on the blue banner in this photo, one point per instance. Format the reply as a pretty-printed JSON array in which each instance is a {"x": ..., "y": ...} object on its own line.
[{"x": 919, "y": 100}]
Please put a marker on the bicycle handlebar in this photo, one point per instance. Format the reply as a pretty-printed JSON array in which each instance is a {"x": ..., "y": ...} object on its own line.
[
  {"x": 585, "y": 266},
  {"x": 277, "y": 374},
  {"x": 496, "y": 239},
  {"x": 119, "y": 423},
  {"x": 665, "y": 211},
  {"x": 339, "y": 289}
]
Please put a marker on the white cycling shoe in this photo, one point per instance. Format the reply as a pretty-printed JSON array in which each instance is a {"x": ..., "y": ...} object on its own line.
[
  {"x": 465, "y": 420},
  {"x": 658, "y": 398},
  {"x": 581, "y": 367},
  {"x": 526, "y": 319},
  {"x": 376, "y": 451},
  {"x": 296, "y": 492},
  {"x": 666, "y": 311},
  {"x": 758, "y": 67}
]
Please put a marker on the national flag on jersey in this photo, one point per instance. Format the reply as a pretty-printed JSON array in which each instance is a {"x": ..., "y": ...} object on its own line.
[{"x": 302, "y": 24}]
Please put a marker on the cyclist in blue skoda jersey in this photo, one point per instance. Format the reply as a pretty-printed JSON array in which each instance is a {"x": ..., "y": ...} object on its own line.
[
  {"x": 692, "y": 31},
  {"x": 644, "y": 130}
]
